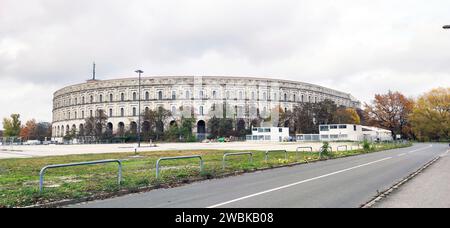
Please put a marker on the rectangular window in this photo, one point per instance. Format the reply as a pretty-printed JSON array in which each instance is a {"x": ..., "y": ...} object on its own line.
[
  {"x": 174, "y": 95},
  {"x": 324, "y": 128},
  {"x": 342, "y": 126},
  {"x": 333, "y": 127}
]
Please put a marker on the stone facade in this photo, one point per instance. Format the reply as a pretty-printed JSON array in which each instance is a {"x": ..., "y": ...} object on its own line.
[{"x": 119, "y": 98}]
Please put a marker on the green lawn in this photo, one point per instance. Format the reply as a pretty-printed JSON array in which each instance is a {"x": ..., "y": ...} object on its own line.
[{"x": 19, "y": 178}]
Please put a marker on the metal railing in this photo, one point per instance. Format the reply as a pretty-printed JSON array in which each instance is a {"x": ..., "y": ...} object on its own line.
[
  {"x": 342, "y": 146},
  {"x": 276, "y": 151},
  {"x": 42, "y": 172},
  {"x": 178, "y": 158},
  {"x": 235, "y": 154}
]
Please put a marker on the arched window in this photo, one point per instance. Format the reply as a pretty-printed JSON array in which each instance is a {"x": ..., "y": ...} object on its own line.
[
  {"x": 91, "y": 99},
  {"x": 214, "y": 95},
  {"x": 147, "y": 110},
  {"x": 241, "y": 96},
  {"x": 134, "y": 96},
  {"x": 147, "y": 96},
  {"x": 174, "y": 95},
  {"x": 101, "y": 98},
  {"x": 134, "y": 112},
  {"x": 111, "y": 97},
  {"x": 83, "y": 100},
  {"x": 122, "y": 97},
  {"x": 285, "y": 97},
  {"x": 110, "y": 112},
  {"x": 160, "y": 95},
  {"x": 122, "y": 112}
]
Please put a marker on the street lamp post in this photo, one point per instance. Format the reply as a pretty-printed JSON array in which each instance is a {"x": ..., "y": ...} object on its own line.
[{"x": 139, "y": 108}]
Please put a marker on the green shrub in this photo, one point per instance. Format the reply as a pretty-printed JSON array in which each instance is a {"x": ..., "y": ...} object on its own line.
[
  {"x": 192, "y": 138},
  {"x": 326, "y": 149},
  {"x": 367, "y": 145}
]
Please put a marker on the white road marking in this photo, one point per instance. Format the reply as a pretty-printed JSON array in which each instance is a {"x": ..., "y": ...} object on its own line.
[
  {"x": 401, "y": 155},
  {"x": 414, "y": 151},
  {"x": 297, "y": 183}
]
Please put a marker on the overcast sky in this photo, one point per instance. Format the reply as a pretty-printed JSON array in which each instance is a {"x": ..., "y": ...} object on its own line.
[{"x": 362, "y": 47}]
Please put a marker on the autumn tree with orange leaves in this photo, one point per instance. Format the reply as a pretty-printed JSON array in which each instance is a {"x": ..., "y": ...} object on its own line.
[
  {"x": 28, "y": 132},
  {"x": 391, "y": 111}
]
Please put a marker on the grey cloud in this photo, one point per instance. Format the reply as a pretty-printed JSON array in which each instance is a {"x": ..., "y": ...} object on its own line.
[{"x": 344, "y": 44}]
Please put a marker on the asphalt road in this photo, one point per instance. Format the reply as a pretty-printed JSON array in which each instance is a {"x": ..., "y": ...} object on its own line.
[{"x": 347, "y": 182}]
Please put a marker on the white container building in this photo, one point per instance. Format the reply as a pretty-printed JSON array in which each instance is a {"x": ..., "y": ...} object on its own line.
[{"x": 269, "y": 134}]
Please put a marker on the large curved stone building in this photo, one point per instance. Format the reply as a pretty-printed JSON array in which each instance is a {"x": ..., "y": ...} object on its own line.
[{"x": 119, "y": 98}]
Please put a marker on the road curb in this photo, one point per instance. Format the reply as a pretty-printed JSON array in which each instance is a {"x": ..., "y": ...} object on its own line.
[{"x": 383, "y": 195}]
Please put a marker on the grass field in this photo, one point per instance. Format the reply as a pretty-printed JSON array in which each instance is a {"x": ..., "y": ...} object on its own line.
[{"x": 19, "y": 178}]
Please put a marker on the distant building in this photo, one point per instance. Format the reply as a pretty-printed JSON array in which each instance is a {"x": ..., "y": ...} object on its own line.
[
  {"x": 270, "y": 134},
  {"x": 377, "y": 134},
  {"x": 347, "y": 132},
  {"x": 119, "y": 99}
]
